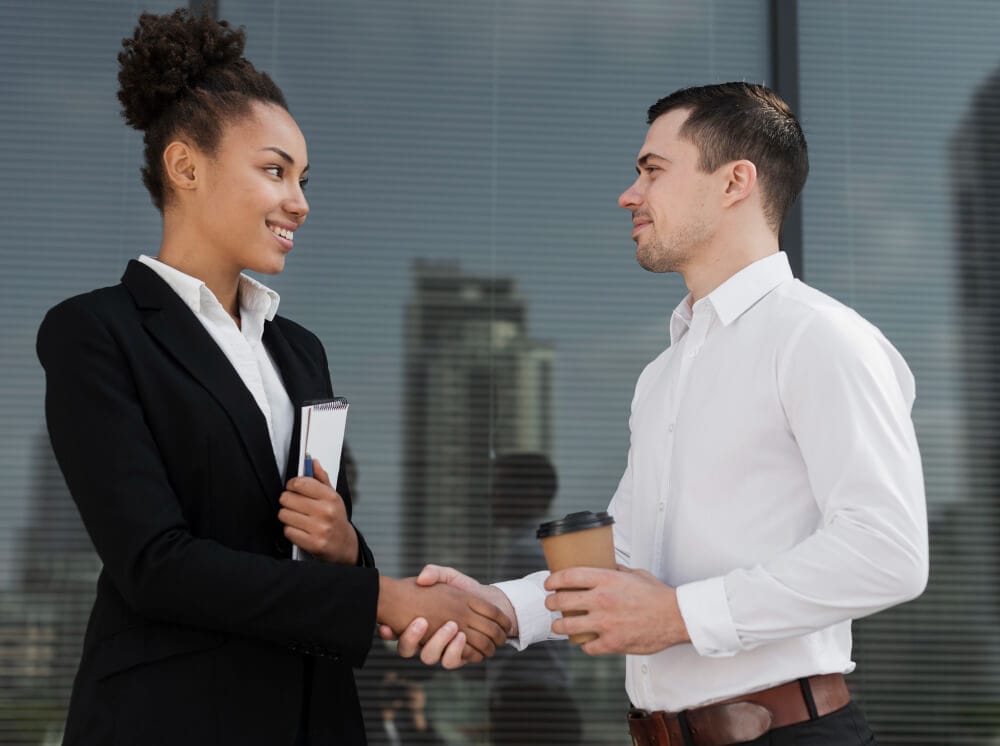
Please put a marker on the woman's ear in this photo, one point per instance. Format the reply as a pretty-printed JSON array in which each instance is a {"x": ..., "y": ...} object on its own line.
[
  {"x": 741, "y": 181},
  {"x": 180, "y": 166}
]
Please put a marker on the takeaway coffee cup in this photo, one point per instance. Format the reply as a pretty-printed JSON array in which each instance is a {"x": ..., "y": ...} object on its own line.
[{"x": 583, "y": 539}]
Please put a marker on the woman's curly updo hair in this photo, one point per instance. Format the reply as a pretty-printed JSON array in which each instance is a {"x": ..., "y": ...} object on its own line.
[{"x": 184, "y": 75}]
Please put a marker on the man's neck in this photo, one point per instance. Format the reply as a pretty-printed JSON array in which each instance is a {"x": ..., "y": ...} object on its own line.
[{"x": 724, "y": 258}]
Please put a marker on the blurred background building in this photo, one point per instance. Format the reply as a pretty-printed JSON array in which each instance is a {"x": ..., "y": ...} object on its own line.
[{"x": 476, "y": 385}]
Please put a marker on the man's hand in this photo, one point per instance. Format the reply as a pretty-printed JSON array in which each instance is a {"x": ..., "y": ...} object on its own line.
[
  {"x": 482, "y": 625},
  {"x": 447, "y": 644},
  {"x": 434, "y": 574},
  {"x": 315, "y": 518},
  {"x": 629, "y": 610}
]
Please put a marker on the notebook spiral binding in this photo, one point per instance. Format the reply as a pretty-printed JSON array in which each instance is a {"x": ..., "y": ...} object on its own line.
[{"x": 333, "y": 404}]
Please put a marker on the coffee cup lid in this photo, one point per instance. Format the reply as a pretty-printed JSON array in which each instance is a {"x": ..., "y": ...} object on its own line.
[{"x": 574, "y": 522}]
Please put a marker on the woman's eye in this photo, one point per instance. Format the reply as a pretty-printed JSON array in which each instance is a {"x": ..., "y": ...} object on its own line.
[
  {"x": 275, "y": 171},
  {"x": 303, "y": 183}
]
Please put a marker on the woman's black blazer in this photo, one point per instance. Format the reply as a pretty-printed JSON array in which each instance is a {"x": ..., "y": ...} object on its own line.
[{"x": 203, "y": 630}]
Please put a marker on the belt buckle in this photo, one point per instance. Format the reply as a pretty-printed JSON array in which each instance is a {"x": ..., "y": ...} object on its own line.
[{"x": 647, "y": 728}]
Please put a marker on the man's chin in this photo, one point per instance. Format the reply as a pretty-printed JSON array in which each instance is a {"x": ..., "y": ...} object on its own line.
[{"x": 653, "y": 263}]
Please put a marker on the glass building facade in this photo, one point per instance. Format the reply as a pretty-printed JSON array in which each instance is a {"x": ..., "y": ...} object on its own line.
[{"x": 472, "y": 278}]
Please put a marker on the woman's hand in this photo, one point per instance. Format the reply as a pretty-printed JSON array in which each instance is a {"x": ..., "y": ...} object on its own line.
[
  {"x": 315, "y": 518},
  {"x": 448, "y": 644},
  {"x": 444, "y": 608}
]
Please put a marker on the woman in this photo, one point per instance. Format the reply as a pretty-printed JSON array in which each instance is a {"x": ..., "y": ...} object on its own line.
[{"x": 171, "y": 402}]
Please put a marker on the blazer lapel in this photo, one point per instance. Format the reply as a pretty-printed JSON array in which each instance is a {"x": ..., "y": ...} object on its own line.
[
  {"x": 306, "y": 378},
  {"x": 297, "y": 384},
  {"x": 177, "y": 329}
]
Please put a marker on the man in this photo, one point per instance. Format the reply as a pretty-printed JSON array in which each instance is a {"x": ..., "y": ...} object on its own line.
[{"x": 773, "y": 490}]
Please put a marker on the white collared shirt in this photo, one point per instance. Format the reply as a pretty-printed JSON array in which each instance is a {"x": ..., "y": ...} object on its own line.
[
  {"x": 242, "y": 345},
  {"x": 774, "y": 478}
]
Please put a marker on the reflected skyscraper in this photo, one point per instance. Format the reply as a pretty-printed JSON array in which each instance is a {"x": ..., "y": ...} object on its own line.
[
  {"x": 937, "y": 659},
  {"x": 975, "y": 158},
  {"x": 476, "y": 385}
]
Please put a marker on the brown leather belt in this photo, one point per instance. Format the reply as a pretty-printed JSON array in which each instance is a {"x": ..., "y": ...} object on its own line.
[{"x": 742, "y": 718}]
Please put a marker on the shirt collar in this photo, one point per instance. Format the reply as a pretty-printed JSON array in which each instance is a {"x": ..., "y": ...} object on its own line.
[
  {"x": 254, "y": 296},
  {"x": 257, "y": 297},
  {"x": 737, "y": 294},
  {"x": 680, "y": 319}
]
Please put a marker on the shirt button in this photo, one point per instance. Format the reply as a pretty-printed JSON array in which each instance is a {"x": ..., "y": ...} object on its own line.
[
  {"x": 670, "y": 427},
  {"x": 645, "y": 669},
  {"x": 661, "y": 507}
]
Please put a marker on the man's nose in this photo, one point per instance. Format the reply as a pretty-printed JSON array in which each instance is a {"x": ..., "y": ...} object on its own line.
[{"x": 631, "y": 197}]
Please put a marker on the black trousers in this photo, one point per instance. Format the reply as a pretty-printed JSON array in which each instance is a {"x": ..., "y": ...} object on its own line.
[
  {"x": 845, "y": 727},
  {"x": 302, "y": 737}
]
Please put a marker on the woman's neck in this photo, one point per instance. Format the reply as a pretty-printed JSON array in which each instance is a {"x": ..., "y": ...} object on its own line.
[{"x": 222, "y": 281}]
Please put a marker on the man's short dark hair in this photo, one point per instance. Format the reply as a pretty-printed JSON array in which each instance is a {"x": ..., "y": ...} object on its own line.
[{"x": 736, "y": 121}]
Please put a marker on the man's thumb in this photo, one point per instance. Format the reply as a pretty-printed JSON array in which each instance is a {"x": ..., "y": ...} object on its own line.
[{"x": 431, "y": 575}]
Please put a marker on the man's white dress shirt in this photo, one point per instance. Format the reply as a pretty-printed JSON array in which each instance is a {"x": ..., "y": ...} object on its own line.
[
  {"x": 242, "y": 345},
  {"x": 774, "y": 478}
]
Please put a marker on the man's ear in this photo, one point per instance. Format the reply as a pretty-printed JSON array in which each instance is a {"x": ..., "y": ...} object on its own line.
[
  {"x": 741, "y": 180},
  {"x": 180, "y": 162}
]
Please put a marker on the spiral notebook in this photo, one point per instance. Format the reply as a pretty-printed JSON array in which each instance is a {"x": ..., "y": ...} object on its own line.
[{"x": 321, "y": 438}]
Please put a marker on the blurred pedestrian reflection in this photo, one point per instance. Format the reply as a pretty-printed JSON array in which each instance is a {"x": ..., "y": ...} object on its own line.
[
  {"x": 530, "y": 700},
  {"x": 394, "y": 701}
]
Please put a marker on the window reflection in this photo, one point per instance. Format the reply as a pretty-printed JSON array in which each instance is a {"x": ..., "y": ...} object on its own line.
[
  {"x": 900, "y": 222},
  {"x": 531, "y": 692},
  {"x": 489, "y": 137}
]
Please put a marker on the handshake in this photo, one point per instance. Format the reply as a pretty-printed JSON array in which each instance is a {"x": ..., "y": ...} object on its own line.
[
  {"x": 461, "y": 620},
  {"x": 481, "y": 617},
  {"x": 449, "y": 617},
  {"x": 458, "y": 620}
]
